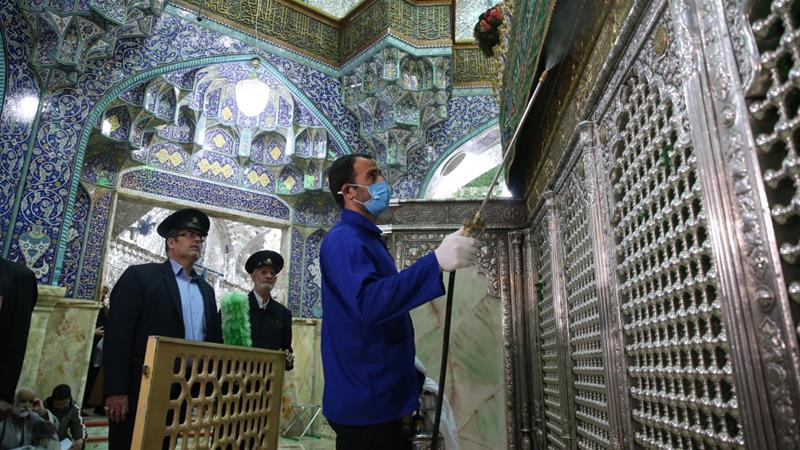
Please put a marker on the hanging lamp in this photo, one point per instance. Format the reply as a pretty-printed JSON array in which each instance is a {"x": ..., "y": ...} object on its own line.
[{"x": 252, "y": 94}]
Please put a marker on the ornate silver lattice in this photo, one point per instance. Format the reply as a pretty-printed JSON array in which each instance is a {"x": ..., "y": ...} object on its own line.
[
  {"x": 776, "y": 126},
  {"x": 586, "y": 344},
  {"x": 549, "y": 339},
  {"x": 680, "y": 375}
]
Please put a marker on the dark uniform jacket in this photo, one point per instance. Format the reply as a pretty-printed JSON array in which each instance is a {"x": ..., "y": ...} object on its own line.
[
  {"x": 146, "y": 302},
  {"x": 271, "y": 327},
  {"x": 18, "y": 294}
]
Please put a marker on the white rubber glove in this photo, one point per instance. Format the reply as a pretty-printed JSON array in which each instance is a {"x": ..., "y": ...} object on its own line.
[{"x": 457, "y": 251}]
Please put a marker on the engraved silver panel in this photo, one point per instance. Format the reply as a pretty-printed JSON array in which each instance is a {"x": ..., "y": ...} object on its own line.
[
  {"x": 774, "y": 104},
  {"x": 585, "y": 338},
  {"x": 551, "y": 371},
  {"x": 681, "y": 380}
]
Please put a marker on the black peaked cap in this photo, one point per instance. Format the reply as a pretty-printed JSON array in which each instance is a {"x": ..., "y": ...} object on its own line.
[
  {"x": 264, "y": 258},
  {"x": 189, "y": 218}
]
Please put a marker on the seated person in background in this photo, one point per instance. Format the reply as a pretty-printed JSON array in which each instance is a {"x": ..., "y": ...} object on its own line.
[
  {"x": 42, "y": 439},
  {"x": 18, "y": 429},
  {"x": 70, "y": 424}
]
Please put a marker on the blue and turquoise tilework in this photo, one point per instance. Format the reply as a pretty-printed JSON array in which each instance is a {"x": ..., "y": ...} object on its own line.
[
  {"x": 171, "y": 185},
  {"x": 290, "y": 180},
  {"x": 170, "y": 156},
  {"x": 316, "y": 210},
  {"x": 134, "y": 95},
  {"x": 14, "y": 133},
  {"x": 269, "y": 148},
  {"x": 465, "y": 115},
  {"x": 216, "y": 167},
  {"x": 76, "y": 239},
  {"x": 285, "y": 113},
  {"x": 93, "y": 250},
  {"x": 294, "y": 299},
  {"x": 259, "y": 177},
  {"x": 183, "y": 79},
  {"x": 304, "y": 117},
  {"x": 181, "y": 131},
  {"x": 312, "y": 306},
  {"x": 51, "y": 198},
  {"x": 100, "y": 169},
  {"x": 312, "y": 180},
  {"x": 220, "y": 140},
  {"x": 119, "y": 123}
]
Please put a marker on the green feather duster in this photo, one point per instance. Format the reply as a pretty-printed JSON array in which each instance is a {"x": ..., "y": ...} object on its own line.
[{"x": 235, "y": 309}]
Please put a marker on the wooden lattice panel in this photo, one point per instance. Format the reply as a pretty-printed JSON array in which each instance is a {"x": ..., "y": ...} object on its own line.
[{"x": 208, "y": 396}]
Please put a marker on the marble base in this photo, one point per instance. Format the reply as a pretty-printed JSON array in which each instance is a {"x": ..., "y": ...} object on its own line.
[
  {"x": 59, "y": 343},
  {"x": 47, "y": 298},
  {"x": 475, "y": 384},
  {"x": 303, "y": 385}
]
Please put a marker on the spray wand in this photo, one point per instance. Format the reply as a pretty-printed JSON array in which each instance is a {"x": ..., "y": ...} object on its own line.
[{"x": 471, "y": 227}]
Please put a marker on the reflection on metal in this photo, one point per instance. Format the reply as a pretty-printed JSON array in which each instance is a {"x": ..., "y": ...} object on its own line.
[
  {"x": 201, "y": 395},
  {"x": 658, "y": 297},
  {"x": 227, "y": 247},
  {"x": 668, "y": 285},
  {"x": 773, "y": 110},
  {"x": 585, "y": 339},
  {"x": 555, "y": 421}
]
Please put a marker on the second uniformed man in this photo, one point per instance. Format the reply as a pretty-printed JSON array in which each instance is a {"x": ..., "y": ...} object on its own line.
[{"x": 270, "y": 322}]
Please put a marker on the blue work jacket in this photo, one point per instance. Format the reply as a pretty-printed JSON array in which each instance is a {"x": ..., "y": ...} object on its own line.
[{"x": 367, "y": 334}]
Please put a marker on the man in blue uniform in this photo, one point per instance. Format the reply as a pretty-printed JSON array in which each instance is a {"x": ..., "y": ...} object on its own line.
[
  {"x": 367, "y": 335},
  {"x": 270, "y": 322},
  {"x": 163, "y": 299}
]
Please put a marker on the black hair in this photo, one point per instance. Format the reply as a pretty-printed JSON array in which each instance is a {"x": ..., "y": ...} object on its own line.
[
  {"x": 341, "y": 172},
  {"x": 61, "y": 392}
]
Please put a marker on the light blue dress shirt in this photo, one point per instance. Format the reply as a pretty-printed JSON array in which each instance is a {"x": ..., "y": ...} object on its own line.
[{"x": 192, "y": 306}]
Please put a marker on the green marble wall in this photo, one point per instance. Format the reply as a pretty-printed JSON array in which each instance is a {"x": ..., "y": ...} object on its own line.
[{"x": 475, "y": 382}]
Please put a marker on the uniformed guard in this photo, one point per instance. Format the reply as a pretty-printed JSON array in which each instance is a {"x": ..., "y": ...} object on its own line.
[
  {"x": 158, "y": 299},
  {"x": 270, "y": 322}
]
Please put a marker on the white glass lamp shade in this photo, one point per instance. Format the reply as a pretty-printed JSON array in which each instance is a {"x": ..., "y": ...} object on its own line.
[{"x": 252, "y": 96}]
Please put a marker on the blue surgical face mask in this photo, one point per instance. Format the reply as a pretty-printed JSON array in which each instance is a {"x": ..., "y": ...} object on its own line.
[{"x": 380, "y": 193}]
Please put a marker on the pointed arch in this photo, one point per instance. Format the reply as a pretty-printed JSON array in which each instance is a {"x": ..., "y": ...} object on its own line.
[{"x": 116, "y": 90}]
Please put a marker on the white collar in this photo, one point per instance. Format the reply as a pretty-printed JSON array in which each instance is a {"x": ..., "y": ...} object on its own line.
[{"x": 261, "y": 302}]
